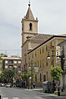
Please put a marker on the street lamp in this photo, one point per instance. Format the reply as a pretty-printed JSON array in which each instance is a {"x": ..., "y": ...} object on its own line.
[
  {"x": 30, "y": 78},
  {"x": 62, "y": 61},
  {"x": 31, "y": 70},
  {"x": 36, "y": 68},
  {"x": 48, "y": 57}
]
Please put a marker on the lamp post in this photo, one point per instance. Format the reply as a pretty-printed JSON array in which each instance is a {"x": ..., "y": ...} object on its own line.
[
  {"x": 62, "y": 66},
  {"x": 31, "y": 78},
  {"x": 48, "y": 57},
  {"x": 36, "y": 71}
]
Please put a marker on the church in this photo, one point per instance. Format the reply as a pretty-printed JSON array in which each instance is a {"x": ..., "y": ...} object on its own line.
[
  {"x": 37, "y": 47},
  {"x": 30, "y": 36}
]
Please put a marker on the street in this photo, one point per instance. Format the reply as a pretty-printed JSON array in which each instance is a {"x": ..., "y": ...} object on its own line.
[{"x": 19, "y": 93}]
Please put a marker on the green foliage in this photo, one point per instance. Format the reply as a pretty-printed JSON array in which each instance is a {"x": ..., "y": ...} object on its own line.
[
  {"x": 0, "y": 60},
  {"x": 15, "y": 73},
  {"x": 8, "y": 75},
  {"x": 0, "y": 73},
  {"x": 62, "y": 94},
  {"x": 56, "y": 92},
  {"x": 26, "y": 76},
  {"x": 56, "y": 73}
]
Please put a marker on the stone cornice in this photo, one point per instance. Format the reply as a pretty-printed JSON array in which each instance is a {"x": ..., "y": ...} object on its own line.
[
  {"x": 28, "y": 20},
  {"x": 29, "y": 33}
]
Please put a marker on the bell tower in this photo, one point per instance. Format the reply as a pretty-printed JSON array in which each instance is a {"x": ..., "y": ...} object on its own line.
[
  {"x": 29, "y": 25},
  {"x": 29, "y": 29}
]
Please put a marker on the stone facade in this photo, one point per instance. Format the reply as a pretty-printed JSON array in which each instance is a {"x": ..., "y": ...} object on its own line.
[
  {"x": 29, "y": 29},
  {"x": 39, "y": 57},
  {"x": 63, "y": 52},
  {"x": 12, "y": 62},
  {"x": 30, "y": 36},
  {"x": 36, "y": 47}
]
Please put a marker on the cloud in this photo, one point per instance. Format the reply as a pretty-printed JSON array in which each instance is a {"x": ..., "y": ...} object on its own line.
[{"x": 51, "y": 15}]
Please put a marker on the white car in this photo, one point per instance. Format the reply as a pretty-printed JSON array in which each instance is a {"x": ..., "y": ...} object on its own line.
[{"x": 8, "y": 85}]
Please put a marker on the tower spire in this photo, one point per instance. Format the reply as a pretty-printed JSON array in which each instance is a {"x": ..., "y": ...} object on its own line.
[{"x": 29, "y": 3}]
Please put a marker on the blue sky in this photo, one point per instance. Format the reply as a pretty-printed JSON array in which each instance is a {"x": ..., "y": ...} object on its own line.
[{"x": 51, "y": 15}]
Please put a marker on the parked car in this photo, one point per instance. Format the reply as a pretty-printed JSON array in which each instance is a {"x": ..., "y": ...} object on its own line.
[
  {"x": 48, "y": 86},
  {"x": 2, "y": 84},
  {"x": 8, "y": 85}
]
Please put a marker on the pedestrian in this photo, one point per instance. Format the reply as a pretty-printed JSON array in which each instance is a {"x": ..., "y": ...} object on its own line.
[{"x": 34, "y": 85}]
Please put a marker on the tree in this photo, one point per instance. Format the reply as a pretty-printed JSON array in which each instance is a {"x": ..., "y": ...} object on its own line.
[
  {"x": 25, "y": 77},
  {"x": 1, "y": 55},
  {"x": 15, "y": 73},
  {"x": 7, "y": 76},
  {"x": 0, "y": 62},
  {"x": 56, "y": 73}
]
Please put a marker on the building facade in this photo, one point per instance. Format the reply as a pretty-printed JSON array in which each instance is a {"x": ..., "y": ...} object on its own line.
[
  {"x": 44, "y": 56},
  {"x": 1, "y": 55},
  {"x": 63, "y": 62},
  {"x": 37, "y": 47},
  {"x": 30, "y": 36},
  {"x": 29, "y": 29},
  {"x": 10, "y": 62}
]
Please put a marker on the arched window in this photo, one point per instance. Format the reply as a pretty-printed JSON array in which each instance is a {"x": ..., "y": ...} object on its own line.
[
  {"x": 40, "y": 77},
  {"x": 44, "y": 78},
  {"x": 36, "y": 77},
  {"x": 30, "y": 26}
]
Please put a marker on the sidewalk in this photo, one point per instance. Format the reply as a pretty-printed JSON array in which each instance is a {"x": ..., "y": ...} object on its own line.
[
  {"x": 63, "y": 93},
  {"x": 36, "y": 89}
]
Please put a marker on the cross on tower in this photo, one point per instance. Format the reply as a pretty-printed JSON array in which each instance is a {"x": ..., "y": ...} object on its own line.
[{"x": 29, "y": 3}]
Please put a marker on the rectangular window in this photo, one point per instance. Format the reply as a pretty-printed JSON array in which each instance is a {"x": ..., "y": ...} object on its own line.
[
  {"x": 15, "y": 62},
  {"x": 10, "y": 66},
  {"x": 40, "y": 77},
  {"x": 32, "y": 55},
  {"x": 46, "y": 48},
  {"x": 40, "y": 63},
  {"x": 40, "y": 51},
  {"x": 19, "y": 66},
  {"x": 6, "y": 61},
  {"x": 35, "y": 54},
  {"x": 6, "y": 67},
  {"x": 15, "y": 66},
  {"x": 19, "y": 62},
  {"x": 19, "y": 71},
  {"x": 36, "y": 77},
  {"x": 11, "y": 62}
]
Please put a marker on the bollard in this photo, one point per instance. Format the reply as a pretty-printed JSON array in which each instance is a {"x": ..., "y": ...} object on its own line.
[
  {"x": 58, "y": 91},
  {"x": 0, "y": 96}
]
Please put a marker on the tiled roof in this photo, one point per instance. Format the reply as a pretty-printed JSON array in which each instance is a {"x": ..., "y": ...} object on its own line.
[
  {"x": 40, "y": 37},
  {"x": 60, "y": 36},
  {"x": 12, "y": 58}
]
